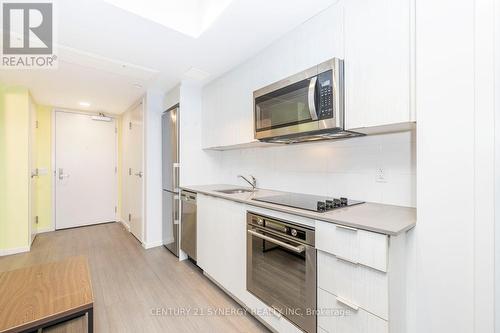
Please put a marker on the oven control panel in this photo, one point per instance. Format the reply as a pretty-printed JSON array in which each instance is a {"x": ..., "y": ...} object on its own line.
[
  {"x": 326, "y": 95},
  {"x": 300, "y": 233}
]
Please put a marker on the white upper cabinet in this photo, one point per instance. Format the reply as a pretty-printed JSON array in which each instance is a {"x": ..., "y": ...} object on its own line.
[
  {"x": 374, "y": 39},
  {"x": 378, "y": 63}
]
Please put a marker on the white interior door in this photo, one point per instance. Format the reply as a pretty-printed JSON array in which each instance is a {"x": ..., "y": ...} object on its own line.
[
  {"x": 133, "y": 169},
  {"x": 34, "y": 173},
  {"x": 85, "y": 170}
]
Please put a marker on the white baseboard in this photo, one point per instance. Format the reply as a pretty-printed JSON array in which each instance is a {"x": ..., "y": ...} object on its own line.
[
  {"x": 152, "y": 244},
  {"x": 7, "y": 252},
  {"x": 46, "y": 229},
  {"x": 125, "y": 224}
]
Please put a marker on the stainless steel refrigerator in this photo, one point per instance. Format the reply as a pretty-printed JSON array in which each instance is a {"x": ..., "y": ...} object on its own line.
[{"x": 171, "y": 192}]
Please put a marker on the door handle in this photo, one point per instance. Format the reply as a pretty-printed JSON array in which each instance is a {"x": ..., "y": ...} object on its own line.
[
  {"x": 296, "y": 249},
  {"x": 175, "y": 175},
  {"x": 62, "y": 175},
  {"x": 311, "y": 98},
  {"x": 175, "y": 209},
  {"x": 34, "y": 173},
  {"x": 138, "y": 174}
]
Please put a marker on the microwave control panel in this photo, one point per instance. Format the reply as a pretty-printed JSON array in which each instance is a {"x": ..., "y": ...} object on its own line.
[{"x": 326, "y": 95}]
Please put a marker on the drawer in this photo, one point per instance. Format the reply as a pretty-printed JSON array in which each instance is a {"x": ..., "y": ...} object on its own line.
[
  {"x": 334, "y": 316},
  {"x": 363, "y": 286},
  {"x": 358, "y": 246}
]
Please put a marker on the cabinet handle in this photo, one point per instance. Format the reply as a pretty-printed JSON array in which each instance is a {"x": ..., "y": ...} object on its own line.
[
  {"x": 347, "y": 260},
  {"x": 347, "y": 303},
  {"x": 346, "y": 228},
  {"x": 276, "y": 312}
]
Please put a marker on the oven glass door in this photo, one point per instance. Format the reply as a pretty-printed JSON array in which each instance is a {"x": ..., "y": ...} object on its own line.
[
  {"x": 291, "y": 105},
  {"x": 283, "y": 278}
]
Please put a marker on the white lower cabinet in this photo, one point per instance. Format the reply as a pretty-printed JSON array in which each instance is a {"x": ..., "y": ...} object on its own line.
[
  {"x": 354, "y": 245},
  {"x": 361, "y": 280},
  {"x": 221, "y": 235},
  {"x": 360, "y": 285},
  {"x": 221, "y": 252},
  {"x": 358, "y": 290},
  {"x": 337, "y": 317}
]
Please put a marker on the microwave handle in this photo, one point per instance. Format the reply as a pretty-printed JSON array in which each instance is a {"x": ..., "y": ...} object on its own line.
[{"x": 312, "y": 98}]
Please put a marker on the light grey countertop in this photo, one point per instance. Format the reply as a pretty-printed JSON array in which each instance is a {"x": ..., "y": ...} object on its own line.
[{"x": 385, "y": 219}]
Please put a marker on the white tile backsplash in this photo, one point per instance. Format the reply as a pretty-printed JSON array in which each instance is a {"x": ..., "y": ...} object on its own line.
[{"x": 334, "y": 168}]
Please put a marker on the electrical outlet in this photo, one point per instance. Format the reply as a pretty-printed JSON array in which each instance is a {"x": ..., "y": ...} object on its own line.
[{"x": 380, "y": 175}]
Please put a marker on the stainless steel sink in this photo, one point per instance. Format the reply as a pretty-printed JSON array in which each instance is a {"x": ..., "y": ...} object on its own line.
[{"x": 235, "y": 191}]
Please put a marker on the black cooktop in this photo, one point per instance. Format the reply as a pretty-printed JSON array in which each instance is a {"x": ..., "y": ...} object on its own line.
[{"x": 313, "y": 203}]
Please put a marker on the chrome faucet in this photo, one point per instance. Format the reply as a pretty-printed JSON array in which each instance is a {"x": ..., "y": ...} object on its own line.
[{"x": 253, "y": 183}]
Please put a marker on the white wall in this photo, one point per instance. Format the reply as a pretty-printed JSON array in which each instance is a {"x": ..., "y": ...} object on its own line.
[
  {"x": 497, "y": 173},
  {"x": 455, "y": 115},
  {"x": 153, "y": 168},
  {"x": 172, "y": 97},
  {"x": 335, "y": 168}
]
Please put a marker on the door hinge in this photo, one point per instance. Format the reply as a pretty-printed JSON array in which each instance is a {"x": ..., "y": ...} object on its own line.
[
  {"x": 116, "y": 209},
  {"x": 36, "y": 123},
  {"x": 116, "y": 169},
  {"x": 36, "y": 219},
  {"x": 129, "y": 217},
  {"x": 130, "y": 125},
  {"x": 130, "y": 171},
  {"x": 116, "y": 129}
]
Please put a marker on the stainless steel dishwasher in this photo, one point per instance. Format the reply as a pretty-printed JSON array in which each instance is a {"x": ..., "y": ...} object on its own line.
[{"x": 188, "y": 223}]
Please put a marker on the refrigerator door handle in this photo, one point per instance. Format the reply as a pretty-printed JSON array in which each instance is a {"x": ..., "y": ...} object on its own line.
[
  {"x": 175, "y": 175},
  {"x": 176, "y": 209}
]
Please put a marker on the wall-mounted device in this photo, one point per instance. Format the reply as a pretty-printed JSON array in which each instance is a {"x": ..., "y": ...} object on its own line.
[{"x": 307, "y": 106}]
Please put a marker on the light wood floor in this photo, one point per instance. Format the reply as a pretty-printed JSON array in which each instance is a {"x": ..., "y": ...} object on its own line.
[{"x": 130, "y": 283}]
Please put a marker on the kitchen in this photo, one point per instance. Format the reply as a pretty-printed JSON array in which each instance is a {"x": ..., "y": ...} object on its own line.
[
  {"x": 298, "y": 115},
  {"x": 316, "y": 185}
]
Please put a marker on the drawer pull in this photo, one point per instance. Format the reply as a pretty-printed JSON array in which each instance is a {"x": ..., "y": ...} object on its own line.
[
  {"x": 346, "y": 228},
  {"x": 276, "y": 312},
  {"x": 347, "y": 303},
  {"x": 347, "y": 260}
]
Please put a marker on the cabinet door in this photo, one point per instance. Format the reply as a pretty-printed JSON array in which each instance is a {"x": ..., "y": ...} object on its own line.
[
  {"x": 377, "y": 62},
  {"x": 335, "y": 316},
  {"x": 231, "y": 246},
  {"x": 358, "y": 246},
  {"x": 205, "y": 218},
  {"x": 208, "y": 115},
  {"x": 360, "y": 285},
  {"x": 221, "y": 242}
]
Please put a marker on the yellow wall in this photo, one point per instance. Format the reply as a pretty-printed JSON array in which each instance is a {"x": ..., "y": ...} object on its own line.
[
  {"x": 2, "y": 167},
  {"x": 44, "y": 159},
  {"x": 14, "y": 168}
]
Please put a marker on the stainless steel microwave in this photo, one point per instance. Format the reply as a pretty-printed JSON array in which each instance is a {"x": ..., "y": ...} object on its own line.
[{"x": 307, "y": 106}]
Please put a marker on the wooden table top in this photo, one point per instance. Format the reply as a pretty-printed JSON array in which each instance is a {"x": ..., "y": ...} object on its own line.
[{"x": 43, "y": 293}]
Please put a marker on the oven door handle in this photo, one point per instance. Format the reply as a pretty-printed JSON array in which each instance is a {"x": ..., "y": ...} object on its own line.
[
  {"x": 297, "y": 249},
  {"x": 311, "y": 98}
]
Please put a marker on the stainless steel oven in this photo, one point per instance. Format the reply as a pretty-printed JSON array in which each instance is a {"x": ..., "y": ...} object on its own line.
[
  {"x": 281, "y": 268},
  {"x": 304, "y": 107}
]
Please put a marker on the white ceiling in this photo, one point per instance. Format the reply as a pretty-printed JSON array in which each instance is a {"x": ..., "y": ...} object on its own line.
[{"x": 105, "y": 52}]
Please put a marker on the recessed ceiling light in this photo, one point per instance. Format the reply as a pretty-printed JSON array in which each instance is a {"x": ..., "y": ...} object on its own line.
[
  {"x": 85, "y": 104},
  {"x": 191, "y": 18}
]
